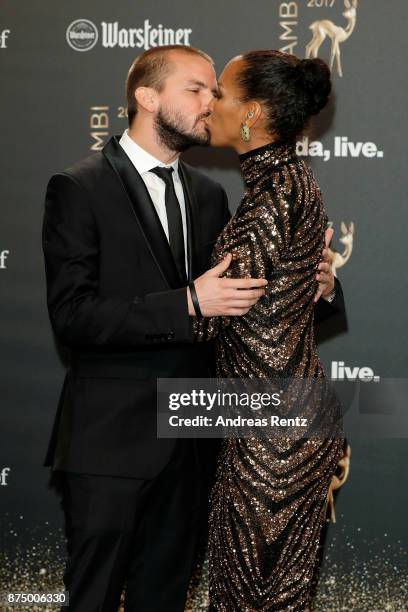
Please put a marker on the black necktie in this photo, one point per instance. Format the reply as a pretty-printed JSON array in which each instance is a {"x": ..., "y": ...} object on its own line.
[{"x": 174, "y": 220}]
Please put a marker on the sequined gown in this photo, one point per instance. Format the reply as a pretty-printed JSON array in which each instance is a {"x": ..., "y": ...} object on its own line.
[{"x": 269, "y": 498}]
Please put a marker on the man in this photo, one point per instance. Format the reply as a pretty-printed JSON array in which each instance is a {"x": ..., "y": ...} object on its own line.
[{"x": 125, "y": 232}]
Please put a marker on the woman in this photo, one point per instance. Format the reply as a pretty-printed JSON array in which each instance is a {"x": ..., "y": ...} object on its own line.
[{"x": 269, "y": 499}]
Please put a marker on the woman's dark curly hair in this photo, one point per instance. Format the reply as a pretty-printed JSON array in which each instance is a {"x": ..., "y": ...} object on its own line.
[{"x": 290, "y": 89}]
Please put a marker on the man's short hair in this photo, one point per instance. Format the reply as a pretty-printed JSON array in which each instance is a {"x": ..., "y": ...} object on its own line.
[{"x": 150, "y": 69}]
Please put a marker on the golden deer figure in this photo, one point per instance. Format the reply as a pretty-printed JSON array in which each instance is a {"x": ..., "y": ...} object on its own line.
[
  {"x": 337, "y": 34},
  {"x": 337, "y": 260},
  {"x": 337, "y": 481}
]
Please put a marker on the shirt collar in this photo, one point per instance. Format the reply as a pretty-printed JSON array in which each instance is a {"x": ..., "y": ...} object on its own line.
[{"x": 141, "y": 159}]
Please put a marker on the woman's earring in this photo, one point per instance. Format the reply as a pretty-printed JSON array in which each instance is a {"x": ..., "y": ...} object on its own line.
[{"x": 245, "y": 132}]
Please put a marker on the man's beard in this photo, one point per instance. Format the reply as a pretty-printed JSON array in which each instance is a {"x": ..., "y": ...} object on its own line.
[{"x": 172, "y": 133}]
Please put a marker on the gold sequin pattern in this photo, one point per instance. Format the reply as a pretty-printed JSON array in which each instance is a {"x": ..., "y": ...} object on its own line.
[{"x": 269, "y": 498}]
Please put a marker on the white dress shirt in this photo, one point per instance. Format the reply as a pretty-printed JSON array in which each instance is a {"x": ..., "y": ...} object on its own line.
[{"x": 144, "y": 162}]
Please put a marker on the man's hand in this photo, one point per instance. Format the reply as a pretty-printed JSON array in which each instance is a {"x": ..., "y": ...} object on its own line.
[
  {"x": 324, "y": 275},
  {"x": 225, "y": 296}
]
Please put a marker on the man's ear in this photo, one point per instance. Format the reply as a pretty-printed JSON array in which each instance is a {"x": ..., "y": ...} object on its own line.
[{"x": 147, "y": 98}]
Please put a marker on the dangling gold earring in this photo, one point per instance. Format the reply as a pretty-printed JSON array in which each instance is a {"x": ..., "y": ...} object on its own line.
[{"x": 245, "y": 132}]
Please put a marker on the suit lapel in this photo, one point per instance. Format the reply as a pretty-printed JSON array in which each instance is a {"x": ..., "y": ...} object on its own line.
[
  {"x": 144, "y": 211},
  {"x": 192, "y": 218}
]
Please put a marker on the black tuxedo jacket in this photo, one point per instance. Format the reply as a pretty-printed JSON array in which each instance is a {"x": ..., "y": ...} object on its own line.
[{"x": 115, "y": 299}]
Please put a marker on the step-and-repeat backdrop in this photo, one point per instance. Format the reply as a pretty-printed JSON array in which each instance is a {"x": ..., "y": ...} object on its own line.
[{"x": 62, "y": 72}]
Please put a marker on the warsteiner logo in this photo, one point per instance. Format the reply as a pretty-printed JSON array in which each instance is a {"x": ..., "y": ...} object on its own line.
[{"x": 82, "y": 35}]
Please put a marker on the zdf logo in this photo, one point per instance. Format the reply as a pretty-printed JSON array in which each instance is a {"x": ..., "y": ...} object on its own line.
[
  {"x": 3, "y": 476},
  {"x": 4, "y": 34},
  {"x": 3, "y": 257},
  {"x": 82, "y": 35}
]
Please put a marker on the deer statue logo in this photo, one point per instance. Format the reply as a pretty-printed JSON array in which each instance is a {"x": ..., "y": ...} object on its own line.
[
  {"x": 337, "y": 34},
  {"x": 337, "y": 260},
  {"x": 337, "y": 481}
]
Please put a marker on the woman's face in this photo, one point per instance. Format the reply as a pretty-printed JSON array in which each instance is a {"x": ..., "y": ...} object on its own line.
[{"x": 228, "y": 112}]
